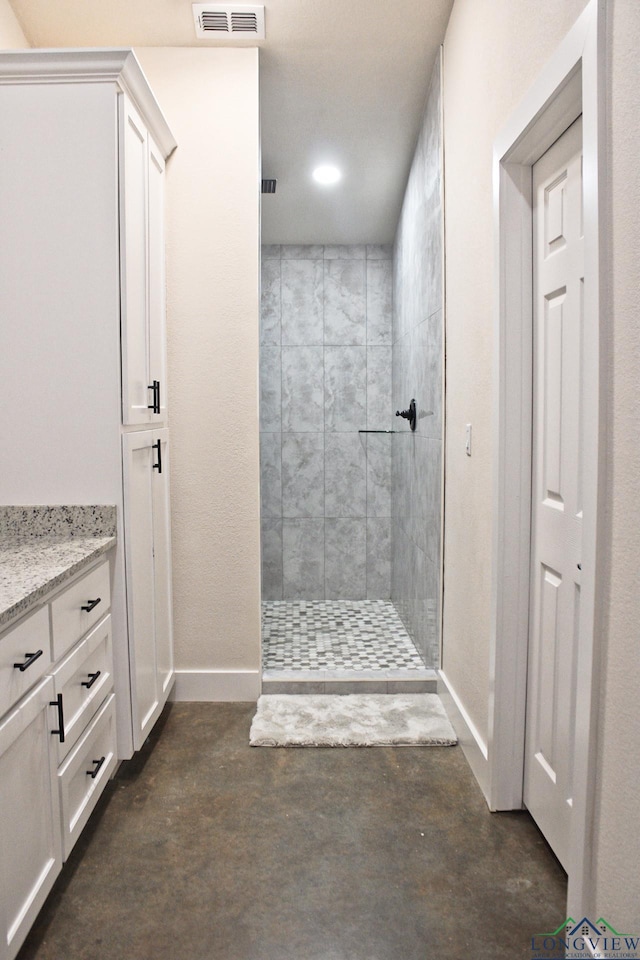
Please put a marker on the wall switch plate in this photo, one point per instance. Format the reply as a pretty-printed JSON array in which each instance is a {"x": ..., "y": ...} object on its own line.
[{"x": 468, "y": 441}]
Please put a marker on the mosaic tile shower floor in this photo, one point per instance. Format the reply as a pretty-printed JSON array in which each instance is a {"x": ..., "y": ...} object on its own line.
[{"x": 341, "y": 635}]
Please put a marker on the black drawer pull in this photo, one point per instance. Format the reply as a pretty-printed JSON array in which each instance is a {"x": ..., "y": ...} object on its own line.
[
  {"x": 155, "y": 406},
  {"x": 98, "y": 764},
  {"x": 157, "y": 446},
  {"x": 92, "y": 603},
  {"x": 31, "y": 658},
  {"x": 58, "y": 703},
  {"x": 92, "y": 679}
]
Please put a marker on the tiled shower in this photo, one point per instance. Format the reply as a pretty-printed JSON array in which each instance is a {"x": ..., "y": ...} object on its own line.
[{"x": 350, "y": 517}]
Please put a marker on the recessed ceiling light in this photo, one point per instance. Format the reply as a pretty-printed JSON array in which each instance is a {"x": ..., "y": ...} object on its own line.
[{"x": 326, "y": 174}]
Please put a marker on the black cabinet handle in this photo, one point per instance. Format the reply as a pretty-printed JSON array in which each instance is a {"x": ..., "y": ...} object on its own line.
[
  {"x": 58, "y": 703},
  {"x": 96, "y": 770},
  {"x": 91, "y": 604},
  {"x": 158, "y": 446},
  {"x": 92, "y": 679},
  {"x": 155, "y": 406},
  {"x": 31, "y": 658}
]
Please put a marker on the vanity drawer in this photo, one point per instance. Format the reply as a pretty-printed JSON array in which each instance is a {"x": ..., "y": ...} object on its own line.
[
  {"x": 83, "y": 678},
  {"x": 84, "y": 774},
  {"x": 77, "y": 609},
  {"x": 25, "y": 655}
]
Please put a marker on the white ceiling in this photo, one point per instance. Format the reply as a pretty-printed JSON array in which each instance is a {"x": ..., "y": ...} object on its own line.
[{"x": 340, "y": 80}]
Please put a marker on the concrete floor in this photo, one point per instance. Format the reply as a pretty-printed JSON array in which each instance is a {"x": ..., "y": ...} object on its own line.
[{"x": 206, "y": 849}]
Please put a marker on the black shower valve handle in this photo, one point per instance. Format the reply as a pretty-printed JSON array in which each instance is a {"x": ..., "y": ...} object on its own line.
[{"x": 409, "y": 414}]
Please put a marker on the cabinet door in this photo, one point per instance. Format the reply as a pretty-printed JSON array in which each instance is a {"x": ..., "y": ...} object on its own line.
[
  {"x": 137, "y": 386},
  {"x": 30, "y": 833},
  {"x": 138, "y": 518},
  {"x": 162, "y": 569},
  {"x": 157, "y": 299}
]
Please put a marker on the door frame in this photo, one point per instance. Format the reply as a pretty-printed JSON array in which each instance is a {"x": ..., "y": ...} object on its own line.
[{"x": 571, "y": 83}]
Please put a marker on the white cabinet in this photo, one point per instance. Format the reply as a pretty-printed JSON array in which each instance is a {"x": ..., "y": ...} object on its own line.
[
  {"x": 83, "y": 144},
  {"x": 148, "y": 564},
  {"x": 142, "y": 261},
  {"x": 30, "y": 839}
]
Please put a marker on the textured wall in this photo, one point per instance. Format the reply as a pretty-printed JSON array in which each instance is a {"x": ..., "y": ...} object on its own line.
[
  {"x": 417, "y": 373},
  {"x": 213, "y": 322},
  {"x": 325, "y": 373},
  {"x": 11, "y": 35},
  {"x": 492, "y": 54}
]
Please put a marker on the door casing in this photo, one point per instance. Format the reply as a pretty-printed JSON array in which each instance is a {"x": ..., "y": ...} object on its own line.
[{"x": 571, "y": 84}]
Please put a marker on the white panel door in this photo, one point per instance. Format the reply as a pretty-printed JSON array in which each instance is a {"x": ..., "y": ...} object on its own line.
[
  {"x": 137, "y": 392},
  {"x": 156, "y": 265},
  {"x": 139, "y": 457},
  {"x": 162, "y": 568},
  {"x": 556, "y": 533},
  {"x": 30, "y": 837}
]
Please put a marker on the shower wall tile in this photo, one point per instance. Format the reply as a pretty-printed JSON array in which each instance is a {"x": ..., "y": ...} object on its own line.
[
  {"x": 302, "y": 306},
  {"x": 270, "y": 331},
  {"x": 345, "y": 475},
  {"x": 271, "y": 545},
  {"x": 378, "y": 475},
  {"x": 379, "y": 251},
  {"x": 345, "y": 387},
  {"x": 303, "y": 475},
  {"x": 354, "y": 251},
  {"x": 344, "y": 302},
  {"x": 345, "y": 559},
  {"x": 379, "y": 301},
  {"x": 302, "y": 389},
  {"x": 379, "y": 388},
  {"x": 270, "y": 390},
  {"x": 270, "y": 251},
  {"x": 303, "y": 559},
  {"x": 306, "y": 251},
  {"x": 271, "y": 474},
  {"x": 378, "y": 558}
]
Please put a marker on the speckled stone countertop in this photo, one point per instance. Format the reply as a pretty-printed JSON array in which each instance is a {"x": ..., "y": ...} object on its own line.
[{"x": 42, "y": 547}]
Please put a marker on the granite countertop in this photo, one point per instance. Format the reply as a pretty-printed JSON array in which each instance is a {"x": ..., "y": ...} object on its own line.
[{"x": 43, "y": 547}]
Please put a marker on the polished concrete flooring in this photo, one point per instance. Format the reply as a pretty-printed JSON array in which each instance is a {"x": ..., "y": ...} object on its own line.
[{"x": 204, "y": 848}]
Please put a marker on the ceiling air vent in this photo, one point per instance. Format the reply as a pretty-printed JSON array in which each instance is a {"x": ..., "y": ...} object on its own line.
[{"x": 219, "y": 21}]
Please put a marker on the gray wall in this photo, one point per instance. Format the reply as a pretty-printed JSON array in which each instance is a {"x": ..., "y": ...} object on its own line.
[
  {"x": 417, "y": 372},
  {"x": 325, "y": 373}
]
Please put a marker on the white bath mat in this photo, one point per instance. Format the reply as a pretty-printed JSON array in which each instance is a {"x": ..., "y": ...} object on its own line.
[{"x": 351, "y": 720}]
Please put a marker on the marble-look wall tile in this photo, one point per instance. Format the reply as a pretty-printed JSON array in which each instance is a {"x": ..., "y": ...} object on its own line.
[
  {"x": 345, "y": 559},
  {"x": 345, "y": 386},
  {"x": 302, "y": 389},
  {"x": 379, "y": 372},
  {"x": 344, "y": 251},
  {"x": 271, "y": 549},
  {"x": 379, "y": 301},
  {"x": 344, "y": 302},
  {"x": 270, "y": 389},
  {"x": 271, "y": 474},
  {"x": 305, "y": 251},
  {"x": 270, "y": 251},
  {"x": 345, "y": 476},
  {"x": 378, "y": 558},
  {"x": 302, "y": 304},
  {"x": 378, "y": 475},
  {"x": 303, "y": 475},
  {"x": 379, "y": 251},
  {"x": 303, "y": 559},
  {"x": 270, "y": 331}
]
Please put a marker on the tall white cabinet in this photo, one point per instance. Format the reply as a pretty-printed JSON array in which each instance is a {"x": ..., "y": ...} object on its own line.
[{"x": 83, "y": 145}]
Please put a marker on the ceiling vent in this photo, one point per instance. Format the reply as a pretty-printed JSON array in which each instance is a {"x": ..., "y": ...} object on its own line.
[{"x": 220, "y": 21}]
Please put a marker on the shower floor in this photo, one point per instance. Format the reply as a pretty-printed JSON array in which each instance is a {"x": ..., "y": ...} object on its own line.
[{"x": 337, "y": 640}]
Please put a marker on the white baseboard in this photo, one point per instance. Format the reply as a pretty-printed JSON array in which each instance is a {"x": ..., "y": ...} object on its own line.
[
  {"x": 473, "y": 745},
  {"x": 219, "y": 686}
]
